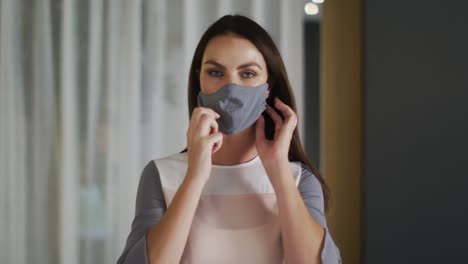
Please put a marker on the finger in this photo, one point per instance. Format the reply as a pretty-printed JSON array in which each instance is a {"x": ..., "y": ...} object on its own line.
[
  {"x": 210, "y": 111},
  {"x": 260, "y": 129},
  {"x": 284, "y": 108},
  {"x": 198, "y": 112},
  {"x": 277, "y": 119},
  {"x": 289, "y": 115},
  {"x": 216, "y": 141},
  {"x": 207, "y": 125},
  {"x": 217, "y": 146}
]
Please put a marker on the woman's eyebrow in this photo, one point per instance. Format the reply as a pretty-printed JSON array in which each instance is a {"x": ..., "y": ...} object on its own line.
[
  {"x": 245, "y": 65},
  {"x": 215, "y": 64}
]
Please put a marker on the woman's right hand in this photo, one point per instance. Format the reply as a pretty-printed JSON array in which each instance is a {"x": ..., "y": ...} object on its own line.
[{"x": 203, "y": 139}]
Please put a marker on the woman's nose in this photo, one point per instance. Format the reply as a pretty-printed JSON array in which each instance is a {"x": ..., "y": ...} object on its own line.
[{"x": 231, "y": 78}]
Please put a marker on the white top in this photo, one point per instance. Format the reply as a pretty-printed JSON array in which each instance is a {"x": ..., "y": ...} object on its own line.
[{"x": 236, "y": 220}]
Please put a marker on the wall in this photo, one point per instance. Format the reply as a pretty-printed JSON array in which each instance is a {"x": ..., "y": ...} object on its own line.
[
  {"x": 416, "y": 131},
  {"x": 311, "y": 90},
  {"x": 341, "y": 122}
]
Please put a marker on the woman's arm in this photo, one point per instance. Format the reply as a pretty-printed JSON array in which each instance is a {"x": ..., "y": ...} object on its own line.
[
  {"x": 302, "y": 236},
  {"x": 158, "y": 234},
  {"x": 306, "y": 238},
  {"x": 303, "y": 229},
  {"x": 166, "y": 240},
  {"x": 158, "y": 237}
]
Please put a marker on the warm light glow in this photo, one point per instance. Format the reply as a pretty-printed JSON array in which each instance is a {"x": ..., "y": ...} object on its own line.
[
  {"x": 311, "y": 9},
  {"x": 318, "y": 1}
]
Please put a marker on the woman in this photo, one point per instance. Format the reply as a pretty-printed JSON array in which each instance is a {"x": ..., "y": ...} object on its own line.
[{"x": 243, "y": 191}]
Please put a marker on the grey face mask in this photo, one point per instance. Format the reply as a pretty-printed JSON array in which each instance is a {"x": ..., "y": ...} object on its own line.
[{"x": 238, "y": 106}]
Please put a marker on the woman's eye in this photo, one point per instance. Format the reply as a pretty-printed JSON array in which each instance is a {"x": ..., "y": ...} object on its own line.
[
  {"x": 215, "y": 73},
  {"x": 248, "y": 74}
]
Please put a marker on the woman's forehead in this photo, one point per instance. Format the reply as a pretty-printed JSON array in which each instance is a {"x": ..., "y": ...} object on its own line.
[{"x": 232, "y": 50}]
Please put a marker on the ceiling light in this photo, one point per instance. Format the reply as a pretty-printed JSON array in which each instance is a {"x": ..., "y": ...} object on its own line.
[{"x": 311, "y": 9}]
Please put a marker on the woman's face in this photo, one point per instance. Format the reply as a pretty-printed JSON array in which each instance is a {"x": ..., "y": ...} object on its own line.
[{"x": 231, "y": 59}]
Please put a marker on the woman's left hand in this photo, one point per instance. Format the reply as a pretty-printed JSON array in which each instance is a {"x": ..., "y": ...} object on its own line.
[{"x": 276, "y": 151}]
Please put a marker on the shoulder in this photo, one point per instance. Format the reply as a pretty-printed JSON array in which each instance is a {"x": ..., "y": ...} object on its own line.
[
  {"x": 153, "y": 167},
  {"x": 311, "y": 188},
  {"x": 149, "y": 173},
  {"x": 176, "y": 158},
  {"x": 307, "y": 176},
  {"x": 173, "y": 160},
  {"x": 171, "y": 170},
  {"x": 149, "y": 194}
]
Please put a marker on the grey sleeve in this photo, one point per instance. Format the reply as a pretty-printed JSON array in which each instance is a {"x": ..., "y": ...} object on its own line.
[
  {"x": 311, "y": 191},
  {"x": 150, "y": 207}
]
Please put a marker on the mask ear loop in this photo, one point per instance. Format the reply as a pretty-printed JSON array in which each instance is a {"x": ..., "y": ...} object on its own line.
[
  {"x": 269, "y": 134},
  {"x": 268, "y": 91},
  {"x": 268, "y": 82}
]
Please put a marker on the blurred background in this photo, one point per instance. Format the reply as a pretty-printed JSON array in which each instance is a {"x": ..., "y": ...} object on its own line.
[{"x": 92, "y": 90}]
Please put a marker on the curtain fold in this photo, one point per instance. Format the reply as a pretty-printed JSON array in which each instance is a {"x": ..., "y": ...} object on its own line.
[
  {"x": 69, "y": 167},
  {"x": 13, "y": 131},
  {"x": 90, "y": 91}
]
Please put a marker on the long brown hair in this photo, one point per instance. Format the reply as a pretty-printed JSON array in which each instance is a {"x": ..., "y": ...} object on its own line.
[{"x": 278, "y": 81}]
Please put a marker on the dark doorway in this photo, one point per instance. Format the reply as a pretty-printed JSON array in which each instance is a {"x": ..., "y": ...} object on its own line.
[{"x": 312, "y": 90}]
